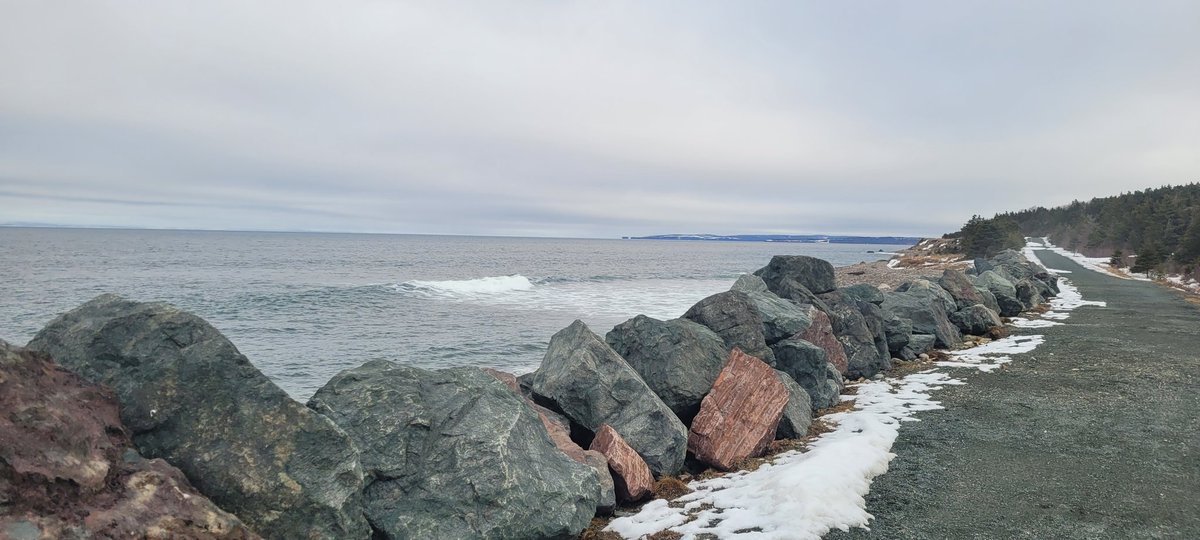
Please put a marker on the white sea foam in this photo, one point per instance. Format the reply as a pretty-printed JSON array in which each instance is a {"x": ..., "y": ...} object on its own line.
[{"x": 472, "y": 287}]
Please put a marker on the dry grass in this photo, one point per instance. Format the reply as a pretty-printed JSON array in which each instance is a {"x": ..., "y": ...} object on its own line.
[
  {"x": 670, "y": 487},
  {"x": 595, "y": 530}
]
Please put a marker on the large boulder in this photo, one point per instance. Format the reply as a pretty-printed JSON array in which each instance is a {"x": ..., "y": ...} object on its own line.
[
  {"x": 859, "y": 328},
  {"x": 797, "y": 414},
  {"x": 1028, "y": 294},
  {"x": 805, "y": 363},
  {"x": 918, "y": 344},
  {"x": 931, "y": 291},
  {"x": 862, "y": 292},
  {"x": 781, "y": 318},
  {"x": 791, "y": 276},
  {"x": 1004, "y": 291},
  {"x": 454, "y": 453},
  {"x": 926, "y": 311},
  {"x": 558, "y": 427},
  {"x": 959, "y": 286},
  {"x": 749, "y": 283},
  {"x": 630, "y": 473},
  {"x": 69, "y": 470},
  {"x": 739, "y": 417},
  {"x": 592, "y": 385},
  {"x": 897, "y": 331},
  {"x": 734, "y": 317},
  {"x": 189, "y": 397},
  {"x": 1017, "y": 265},
  {"x": 821, "y": 334},
  {"x": 678, "y": 359},
  {"x": 976, "y": 320}
]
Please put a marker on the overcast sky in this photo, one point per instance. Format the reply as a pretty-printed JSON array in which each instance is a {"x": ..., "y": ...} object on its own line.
[{"x": 595, "y": 119}]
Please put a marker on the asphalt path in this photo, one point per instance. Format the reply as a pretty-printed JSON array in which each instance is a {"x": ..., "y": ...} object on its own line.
[{"x": 1095, "y": 434}]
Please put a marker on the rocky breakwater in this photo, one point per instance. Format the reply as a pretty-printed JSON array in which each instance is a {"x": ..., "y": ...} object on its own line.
[{"x": 390, "y": 451}]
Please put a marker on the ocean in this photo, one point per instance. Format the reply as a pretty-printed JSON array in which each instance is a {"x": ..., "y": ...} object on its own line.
[{"x": 304, "y": 306}]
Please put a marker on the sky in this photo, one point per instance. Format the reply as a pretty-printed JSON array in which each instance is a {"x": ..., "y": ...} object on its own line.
[{"x": 588, "y": 119}]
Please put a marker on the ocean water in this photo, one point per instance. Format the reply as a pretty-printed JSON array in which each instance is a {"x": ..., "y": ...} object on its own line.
[{"x": 305, "y": 306}]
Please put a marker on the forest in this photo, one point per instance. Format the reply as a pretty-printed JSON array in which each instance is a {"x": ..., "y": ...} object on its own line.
[{"x": 1151, "y": 230}]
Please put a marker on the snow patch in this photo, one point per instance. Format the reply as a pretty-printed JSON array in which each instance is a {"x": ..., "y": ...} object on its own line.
[{"x": 800, "y": 495}]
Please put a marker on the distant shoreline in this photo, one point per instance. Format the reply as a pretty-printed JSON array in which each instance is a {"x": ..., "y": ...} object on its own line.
[{"x": 784, "y": 238}]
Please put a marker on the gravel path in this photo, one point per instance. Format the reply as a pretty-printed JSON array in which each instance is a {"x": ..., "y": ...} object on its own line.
[{"x": 1096, "y": 434}]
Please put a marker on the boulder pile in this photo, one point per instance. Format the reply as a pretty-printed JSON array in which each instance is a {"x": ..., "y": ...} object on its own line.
[{"x": 390, "y": 451}]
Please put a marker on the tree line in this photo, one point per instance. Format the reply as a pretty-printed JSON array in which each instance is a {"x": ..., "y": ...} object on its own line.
[{"x": 1157, "y": 229}]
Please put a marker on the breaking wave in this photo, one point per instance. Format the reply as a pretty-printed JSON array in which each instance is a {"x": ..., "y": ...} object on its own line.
[{"x": 483, "y": 286}]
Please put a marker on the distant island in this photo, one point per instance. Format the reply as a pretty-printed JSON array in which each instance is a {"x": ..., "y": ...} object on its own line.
[{"x": 794, "y": 238}]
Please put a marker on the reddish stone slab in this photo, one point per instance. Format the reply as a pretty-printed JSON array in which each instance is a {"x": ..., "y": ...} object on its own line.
[
  {"x": 738, "y": 417},
  {"x": 820, "y": 333},
  {"x": 631, "y": 475}
]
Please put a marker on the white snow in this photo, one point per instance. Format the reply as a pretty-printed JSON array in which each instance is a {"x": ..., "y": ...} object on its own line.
[
  {"x": 892, "y": 263},
  {"x": 1022, "y": 322},
  {"x": 1098, "y": 264},
  {"x": 801, "y": 495}
]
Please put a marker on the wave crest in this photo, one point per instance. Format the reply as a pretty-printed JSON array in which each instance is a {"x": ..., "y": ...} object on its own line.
[{"x": 470, "y": 287}]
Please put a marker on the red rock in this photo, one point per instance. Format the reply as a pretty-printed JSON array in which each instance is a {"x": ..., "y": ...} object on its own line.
[
  {"x": 68, "y": 468},
  {"x": 631, "y": 475},
  {"x": 738, "y": 417},
  {"x": 820, "y": 333}
]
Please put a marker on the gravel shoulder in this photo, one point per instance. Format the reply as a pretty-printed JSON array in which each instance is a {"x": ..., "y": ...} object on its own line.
[{"x": 1095, "y": 434}]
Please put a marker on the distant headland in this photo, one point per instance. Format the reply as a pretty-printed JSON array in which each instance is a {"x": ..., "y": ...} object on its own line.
[{"x": 796, "y": 238}]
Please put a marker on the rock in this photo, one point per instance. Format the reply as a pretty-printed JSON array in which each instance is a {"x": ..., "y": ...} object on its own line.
[
  {"x": 630, "y": 473},
  {"x": 1028, "y": 294},
  {"x": 558, "y": 428},
  {"x": 69, "y": 470},
  {"x": 738, "y": 418},
  {"x": 795, "y": 276},
  {"x": 806, "y": 365},
  {"x": 189, "y": 397},
  {"x": 897, "y": 331},
  {"x": 734, "y": 317},
  {"x": 921, "y": 344},
  {"x": 453, "y": 453},
  {"x": 959, "y": 286},
  {"x": 749, "y": 283},
  {"x": 678, "y": 359},
  {"x": 983, "y": 265},
  {"x": 586, "y": 380},
  {"x": 1004, "y": 291},
  {"x": 863, "y": 292},
  {"x": 1017, "y": 265},
  {"x": 781, "y": 319},
  {"x": 976, "y": 320},
  {"x": 821, "y": 335},
  {"x": 989, "y": 299},
  {"x": 859, "y": 328},
  {"x": 931, "y": 291},
  {"x": 927, "y": 313},
  {"x": 797, "y": 414}
]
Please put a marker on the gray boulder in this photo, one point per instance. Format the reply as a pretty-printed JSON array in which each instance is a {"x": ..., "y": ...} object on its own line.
[
  {"x": 930, "y": 291},
  {"x": 863, "y": 292},
  {"x": 1004, "y": 291},
  {"x": 806, "y": 364},
  {"x": 734, "y": 317},
  {"x": 976, "y": 320},
  {"x": 781, "y": 319},
  {"x": 798, "y": 277},
  {"x": 749, "y": 283},
  {"x": 959, "y": 286},
  {"x": 982, "y": 265},
  {"x": 454, "y": 453},
  {"x": 918, "y": 344},
  {"x": 797, "y": 414},
  {"x": 678, "y": 359},
  {"x": 189, "y": 397},
  {"x": 592, "y": 385},
  {"x": 1028, "y": 294},
  {"x": 896, "y": 330},
  {"x": 1017, "y": 265},
  {"x": 926, "y": 312},
  {"x": 859, "y": 328}
]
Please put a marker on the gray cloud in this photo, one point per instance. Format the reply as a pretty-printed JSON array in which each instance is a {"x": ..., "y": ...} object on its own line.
[{"x": 588, "y": 119}]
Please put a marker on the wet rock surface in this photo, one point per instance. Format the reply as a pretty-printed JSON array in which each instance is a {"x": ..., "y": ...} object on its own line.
[
  {"x": 188, "y": 396},
  {"x": 69, "y": 470},
  {"x": 454, "y": 453}
]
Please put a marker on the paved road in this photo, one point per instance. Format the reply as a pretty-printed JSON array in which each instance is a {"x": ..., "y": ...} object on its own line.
[{"x": 1096, "y": 434}]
